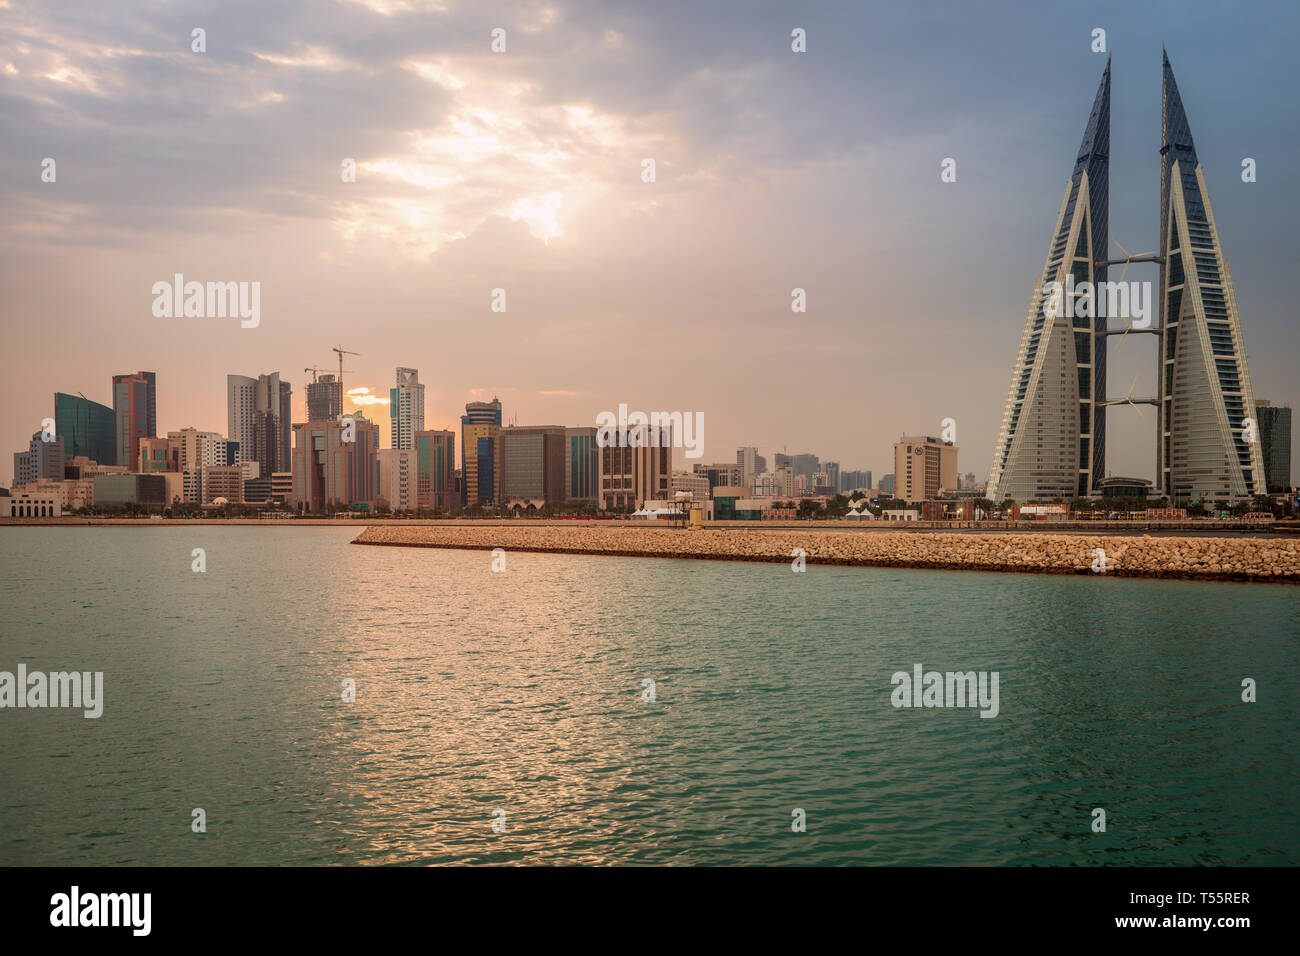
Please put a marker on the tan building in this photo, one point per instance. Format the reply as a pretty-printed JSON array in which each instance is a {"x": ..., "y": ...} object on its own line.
[
  {"x": 630, "y": 476},
  {"x": 923, "y": 467},
  {"x": 330, "y": 471},
  {"x": 222, "y": 481},
  {"x": 199, "y": 448},
  {"x": 159, "y": 455},
  {"x": 475, "y": 436},
  {"x": 696, "y": 484}
]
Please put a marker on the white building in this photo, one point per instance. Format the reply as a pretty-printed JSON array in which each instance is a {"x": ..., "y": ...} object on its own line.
[
  {"x": 398, "y": 483},
  {"x": 406, "y": 409}
]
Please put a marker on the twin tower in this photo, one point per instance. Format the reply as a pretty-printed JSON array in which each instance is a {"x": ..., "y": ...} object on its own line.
[{"x": 1052, "y": 442}]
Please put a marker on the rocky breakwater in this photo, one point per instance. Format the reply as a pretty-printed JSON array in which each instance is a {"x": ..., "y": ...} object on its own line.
[{"x": 1235, "y": 559}]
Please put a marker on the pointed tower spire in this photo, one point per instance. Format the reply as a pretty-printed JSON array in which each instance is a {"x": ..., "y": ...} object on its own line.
[
  {"x": 1175, "y": 133},
  {"x": 1052, "y": 443},
  {"x": 1205, "y": 394}
]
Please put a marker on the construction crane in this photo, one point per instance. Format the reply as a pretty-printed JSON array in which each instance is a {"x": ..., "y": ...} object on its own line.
[
  {"x": 315, "y": 369},
  {"x": 342, "y": 352}
]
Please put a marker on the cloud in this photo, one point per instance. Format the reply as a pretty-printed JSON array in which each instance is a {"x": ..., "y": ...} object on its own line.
[{"x": 362, "y": 395}]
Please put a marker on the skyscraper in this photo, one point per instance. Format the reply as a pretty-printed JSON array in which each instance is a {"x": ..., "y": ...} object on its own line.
[
  {"x": 435, "y": 460},
  {"x": 532, "y": 463},
  {"x": 87, "y": 428},
  {"x": 747, "y": 459},
  {"x": 257, "y": 415},
  {"x": 1052, "y": 441},
  {"x": 480, "y": 431},
  {"x": 406, "y": 407},
  {"x": 330, "y": 472},
  {"x": 1275, "y": 445},
  {"x": 1205, "y": 391},
  {"x": 832, "y": 469},
  {"x": 324, "y": 399},
  {"x": 135, "y": 406}
]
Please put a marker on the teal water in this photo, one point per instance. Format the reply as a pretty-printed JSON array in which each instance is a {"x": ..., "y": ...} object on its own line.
[{"x": 522, "y": 691}]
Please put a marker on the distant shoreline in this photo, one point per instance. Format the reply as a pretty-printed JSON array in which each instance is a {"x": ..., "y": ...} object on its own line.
[{"x": 1155, "y": 529}]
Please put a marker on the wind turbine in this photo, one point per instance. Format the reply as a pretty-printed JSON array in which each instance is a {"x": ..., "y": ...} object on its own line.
[
  {"x": 1128, "y": 258},
  {"x": 1128, "y": 399}
]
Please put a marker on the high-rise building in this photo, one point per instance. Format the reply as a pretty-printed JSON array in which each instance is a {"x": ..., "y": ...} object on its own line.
[
  {"x": 747, "y": 459},
  {"x": 324, "y": 399},
  {"x": 135, "y": 406},
  {"x": 480, "y": 450},
  {"x": 88, "y": 428},
  {"x": 42, "y": 460},
  {"x": 1052, "y": 439},
  {"x": 330, "y": 472},
  {"x": 581, "y": 464},
  {"x": 1205, "y": 390},
  {"x": 406, "y": 408},
  {"x": 630, "y": 476},
  {"x": 258, "y": 415},
  {"x": 435, "y": 460},
  {"x": 806, "y": 464},
  {"x": 1052, "y": 443},
  {"x": 532, "y": 463},
  {"x": 398, "y": 478},
  {"x": 854, "y": 480},
  {"x": 782, "y": 460},
  {"x": 887, "y": 485},
  {"x": 923, "y": 467},
  {"x": 784, "y": 483},
  {"x": 1275, "y": 445},
  {"x": 360, "y": 416},
  {"x": 199, "y": 448},
  {"x": 832, "y": 469}
]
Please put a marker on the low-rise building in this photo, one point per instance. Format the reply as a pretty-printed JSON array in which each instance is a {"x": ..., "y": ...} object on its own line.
[
  {"x": 23, "y": 504},
  {"x": 144, "y": 491}
]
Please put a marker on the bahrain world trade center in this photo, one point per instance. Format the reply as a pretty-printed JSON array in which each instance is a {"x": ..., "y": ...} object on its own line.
[{"x": 1052, "y": 440}]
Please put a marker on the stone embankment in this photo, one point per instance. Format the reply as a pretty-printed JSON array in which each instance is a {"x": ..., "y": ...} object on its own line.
[{"x": 1235, "y": 559}]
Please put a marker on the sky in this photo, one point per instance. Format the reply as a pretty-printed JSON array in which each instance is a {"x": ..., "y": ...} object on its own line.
[{"x": 523, "y": 170}]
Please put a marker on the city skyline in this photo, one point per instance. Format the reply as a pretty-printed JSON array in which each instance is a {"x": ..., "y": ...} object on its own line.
[{"x": 834, "y": 187}]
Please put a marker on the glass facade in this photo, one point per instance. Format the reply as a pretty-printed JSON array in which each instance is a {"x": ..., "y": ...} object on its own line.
[
  {"x": 135, "y": 406},
  {"x": 88, "y": 428}
]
